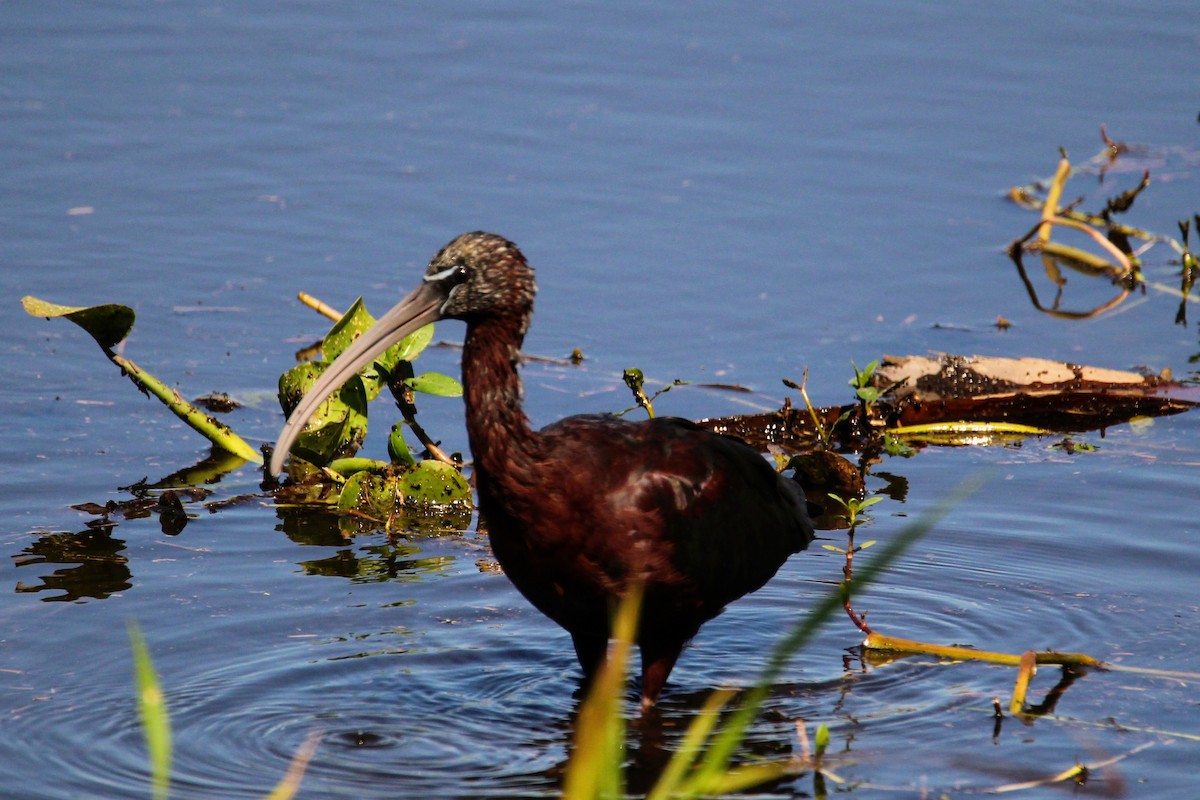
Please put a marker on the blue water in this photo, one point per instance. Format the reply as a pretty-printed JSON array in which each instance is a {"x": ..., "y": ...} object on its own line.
[{"x": 707, "y": 192}]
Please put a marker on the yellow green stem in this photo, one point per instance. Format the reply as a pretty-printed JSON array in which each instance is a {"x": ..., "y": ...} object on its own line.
[
  {"x": 216, "y": 432},
  {"x": 877, "y": 641},
  {"x": 1050, "y": 207}
]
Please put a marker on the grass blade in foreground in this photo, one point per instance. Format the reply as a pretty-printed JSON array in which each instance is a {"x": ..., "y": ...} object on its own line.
[
  {"x": 595, "y": 767},
  {"x": 714, "y": 773},
  {"x": 152, "y": 708}
]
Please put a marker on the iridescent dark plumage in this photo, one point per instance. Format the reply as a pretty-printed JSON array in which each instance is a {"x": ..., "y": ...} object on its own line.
[{"x": 578, "y": 510}]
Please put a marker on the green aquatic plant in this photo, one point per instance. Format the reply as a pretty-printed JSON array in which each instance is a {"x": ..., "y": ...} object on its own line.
[
  {"x": 152, "y": 711},
  {"x": 336, "y": 431},
  {"x": 636, "y": 380}
]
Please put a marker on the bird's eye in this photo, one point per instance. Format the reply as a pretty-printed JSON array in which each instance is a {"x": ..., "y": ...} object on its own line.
[{"x": 452, "y": 276}]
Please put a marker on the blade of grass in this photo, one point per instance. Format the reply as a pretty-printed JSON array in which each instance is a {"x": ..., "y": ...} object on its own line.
[
  {"x": 691, "y": 747},
  {"x": 595, "y": 769},
  {"x": 289, "y": 784},
  {"x": 152, "y": 708}
]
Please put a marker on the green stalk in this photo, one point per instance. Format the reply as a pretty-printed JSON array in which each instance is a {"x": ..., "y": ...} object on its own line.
[
  {"x": 152, "y": 708},
  {"x": 216, "y": 432}
]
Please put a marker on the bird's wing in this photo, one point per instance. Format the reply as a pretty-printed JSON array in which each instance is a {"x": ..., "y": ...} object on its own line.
[{"x": 696, "y": 509}]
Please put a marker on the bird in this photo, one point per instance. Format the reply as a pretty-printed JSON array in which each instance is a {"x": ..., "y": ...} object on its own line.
[{"x": 581, "y": 510}]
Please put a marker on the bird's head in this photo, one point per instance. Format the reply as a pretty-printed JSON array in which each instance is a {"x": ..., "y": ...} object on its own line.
[
  {"x": 481, "y": 273},
  {"x": 476, "y": 275}
]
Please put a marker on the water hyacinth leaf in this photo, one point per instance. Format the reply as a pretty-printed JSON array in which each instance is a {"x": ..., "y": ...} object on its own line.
[
  {"x": 353, "y": 323},
  {"x": 339, "y": 425},
  {"x": 434, "y": 483},
  {"x": 405, "y": 350},
  {"x": 435, "y": 383},
  {"x": 357, "y": 321},
  {"x": 107, "y": 324},
  {"x": 429, "y": 488},
  {"x": 425, "y": 487}
]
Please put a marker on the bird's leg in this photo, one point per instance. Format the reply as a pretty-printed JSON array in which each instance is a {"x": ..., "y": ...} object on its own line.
[
  {"x": 591, "y": 651},
  {"x": 658, "y": 659}
]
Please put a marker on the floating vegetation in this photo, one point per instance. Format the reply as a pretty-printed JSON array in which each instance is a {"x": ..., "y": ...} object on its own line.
[
  {"x": 1120, "y": 260},
  {"x": 323, "y": 468}
]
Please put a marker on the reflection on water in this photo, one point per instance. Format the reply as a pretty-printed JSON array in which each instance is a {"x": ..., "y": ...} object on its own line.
[
  {"x": 1126, "y": 262},
  {"x": 91, "y": 565}
]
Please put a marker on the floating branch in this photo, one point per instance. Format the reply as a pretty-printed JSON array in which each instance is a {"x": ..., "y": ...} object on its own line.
[{"x": 963, "y": 400}]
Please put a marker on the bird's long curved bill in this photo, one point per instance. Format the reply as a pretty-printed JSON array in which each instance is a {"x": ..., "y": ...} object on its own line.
[{"x": 418, "y": 309}]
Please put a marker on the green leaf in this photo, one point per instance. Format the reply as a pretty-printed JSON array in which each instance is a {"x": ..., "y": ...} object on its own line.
[
  {"x": 411, "y": 346},
  {"x": 107, "y": 324},
  {"x": 436, "y": 384},
  {"x": 338, "y": 426},
  {"x": 348, "y": 466},
  {"x": 868, "y": 394},
  {"x": 821, "y": 739},
  {"x": 357, "y": 321},
  {"x": 426, "y": 488},
  {"x": 398, "y": 450},
  {"x": 353, "y": 324}
]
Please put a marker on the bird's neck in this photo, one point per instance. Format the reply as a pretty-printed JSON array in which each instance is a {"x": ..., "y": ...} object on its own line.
[{"x": 504, "y": 446}]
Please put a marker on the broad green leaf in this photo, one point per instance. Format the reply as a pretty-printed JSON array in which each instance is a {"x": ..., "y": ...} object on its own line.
[
  {"x": 412, "y": 345},
  {"x": 353, "y": 324},
  {"x": 357, "y": 321},
  {"x": 107, "y": 324},
  {"x": 338, "y": 426},
  {"x": 407, "y": 349},
  {"x": 409, "y": 497},
  {"x": 435, "y": 383}
]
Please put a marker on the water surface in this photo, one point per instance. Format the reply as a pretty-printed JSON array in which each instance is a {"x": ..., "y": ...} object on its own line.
[{"x": 706, "y": 193}]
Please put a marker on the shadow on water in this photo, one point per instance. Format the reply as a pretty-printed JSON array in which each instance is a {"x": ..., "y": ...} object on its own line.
[{"x": 91, "y": 565}]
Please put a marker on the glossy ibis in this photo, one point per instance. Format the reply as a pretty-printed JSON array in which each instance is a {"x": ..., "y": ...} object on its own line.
[{"x": 579, "y": 509}]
